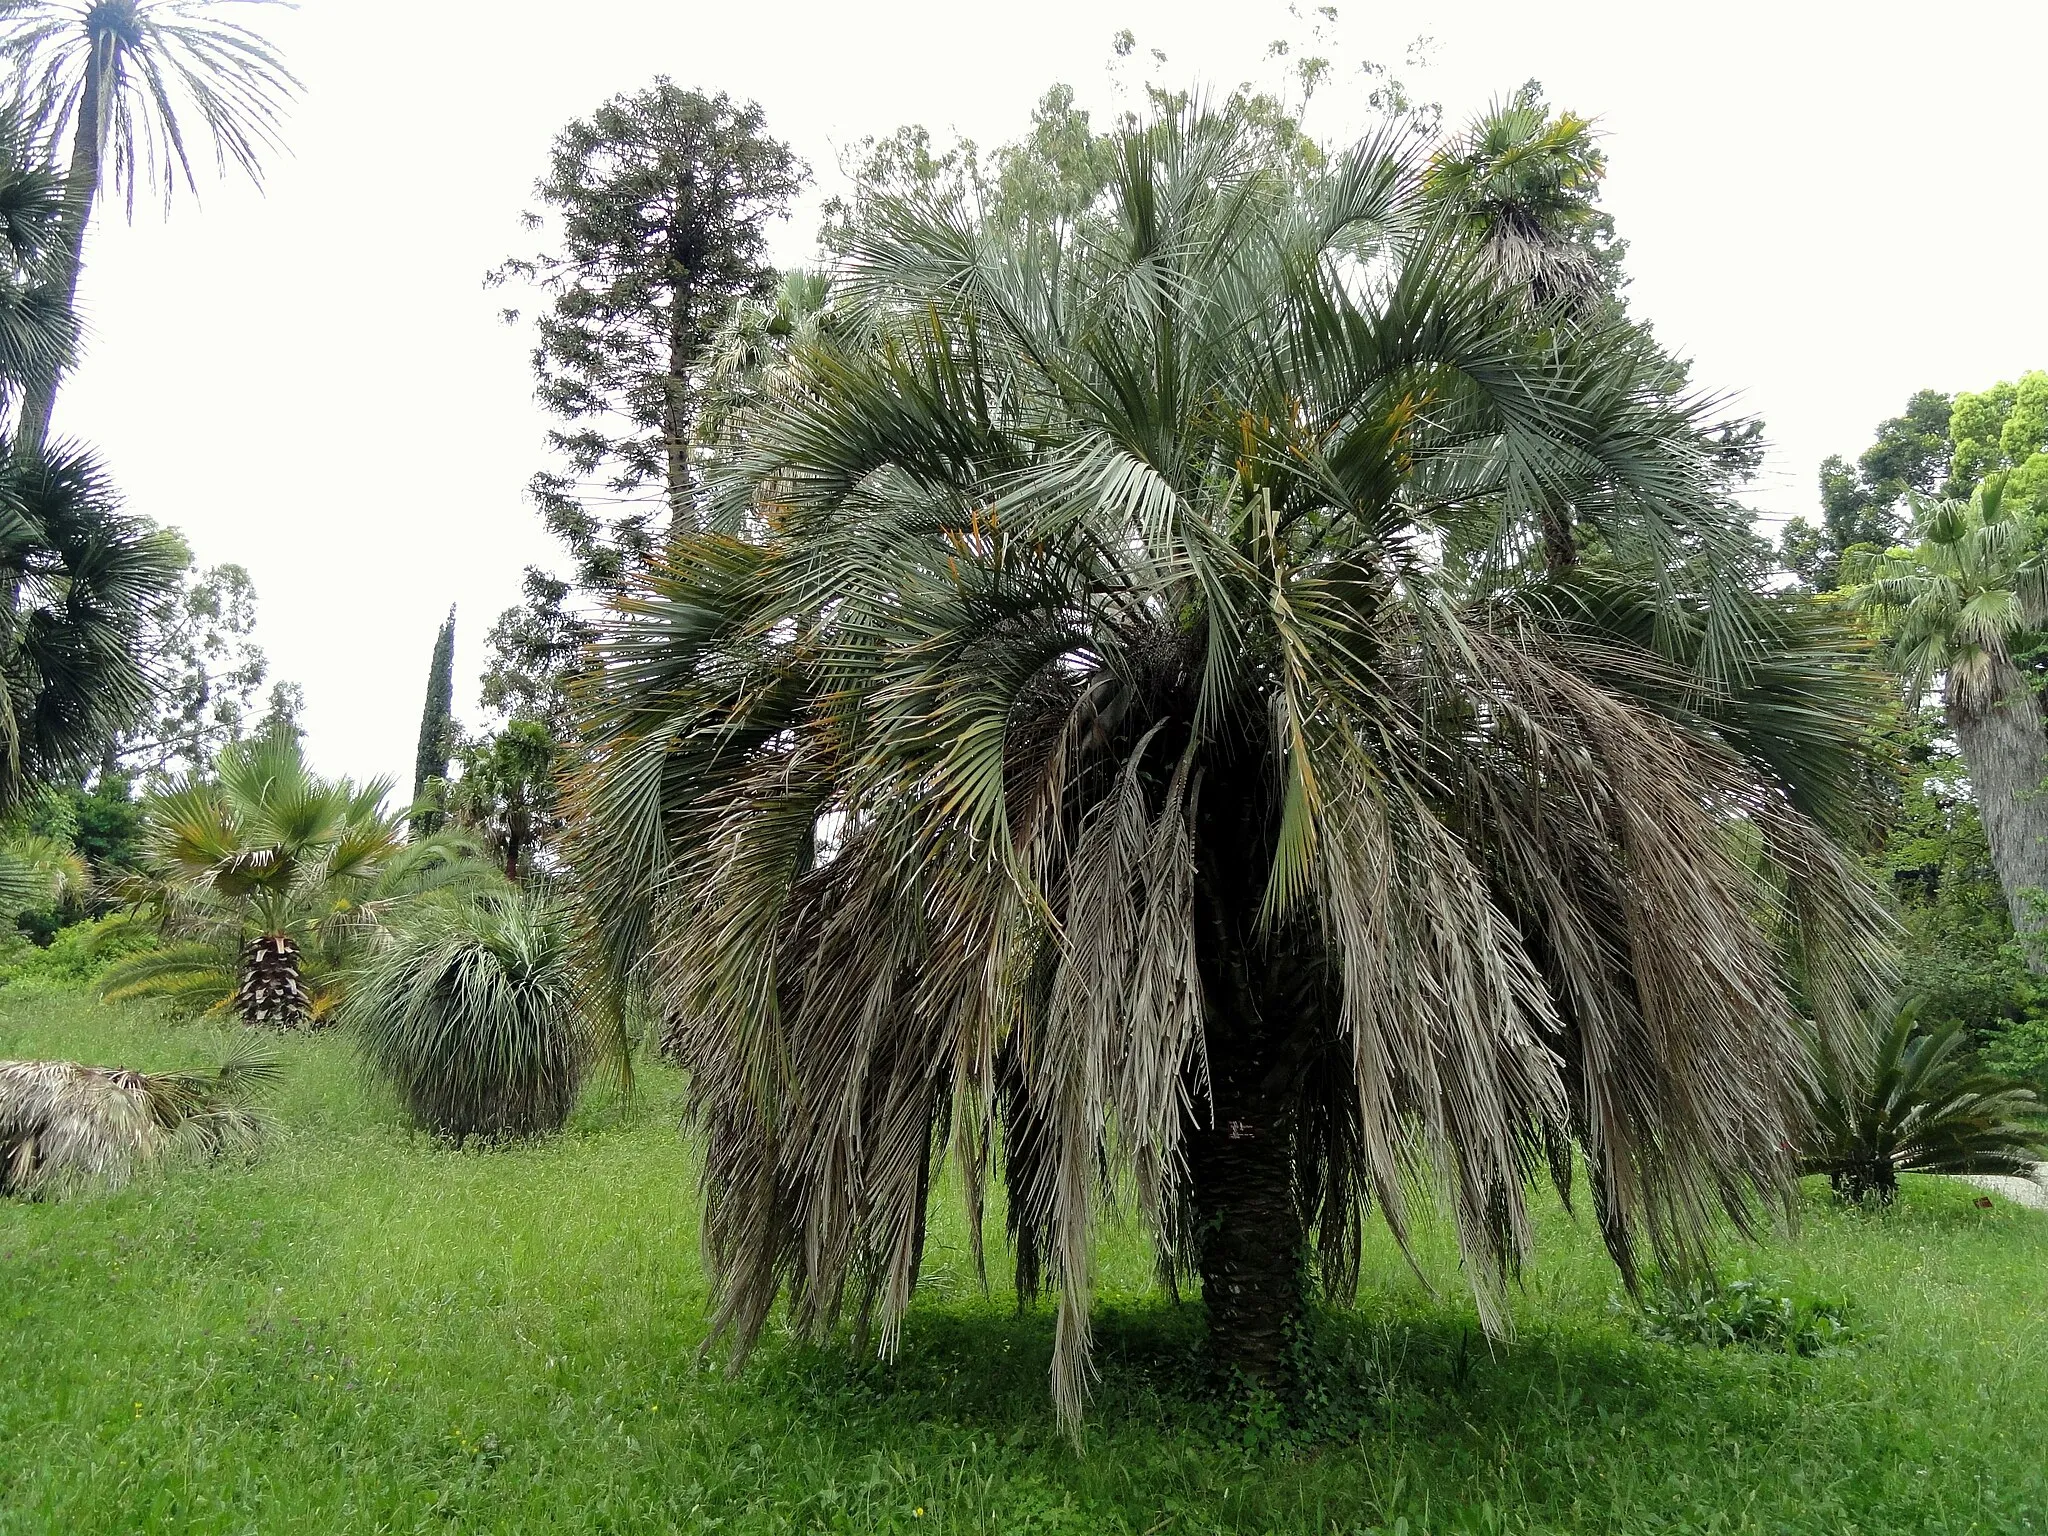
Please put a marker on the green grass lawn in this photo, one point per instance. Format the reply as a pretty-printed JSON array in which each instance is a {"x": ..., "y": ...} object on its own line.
[{"x": 368, "y": 1332}]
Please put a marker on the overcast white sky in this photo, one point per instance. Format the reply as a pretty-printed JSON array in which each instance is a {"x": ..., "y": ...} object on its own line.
[{"x": 1828, "y": 206}]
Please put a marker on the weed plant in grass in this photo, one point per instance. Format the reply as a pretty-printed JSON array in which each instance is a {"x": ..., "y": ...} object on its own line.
[{"x": 368, "y": 1330}]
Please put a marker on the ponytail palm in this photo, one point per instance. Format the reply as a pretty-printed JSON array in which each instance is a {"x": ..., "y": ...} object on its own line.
[{"x": 1127, "y": 740}]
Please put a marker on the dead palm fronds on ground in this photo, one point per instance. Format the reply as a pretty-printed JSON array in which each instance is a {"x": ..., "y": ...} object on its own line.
[
  {"x": 1131, "y": 741},
  {"x": 67, "y": 1128}
]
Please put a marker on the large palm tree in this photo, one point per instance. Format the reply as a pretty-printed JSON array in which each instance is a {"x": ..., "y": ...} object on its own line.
[
  {"x": 1129, "y": 738},
  {"x": 263, "y": 878},
  {"x": 1524, "y": 184},
  {"x": 136, "y": 82},
  {"x": 78, "y": 578},
  {"x": 1954, "y": 602},
  {"x": 37, "y": 330}
]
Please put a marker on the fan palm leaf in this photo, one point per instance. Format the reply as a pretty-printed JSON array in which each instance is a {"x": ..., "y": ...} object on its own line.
[{"x": 81, "y": 575}]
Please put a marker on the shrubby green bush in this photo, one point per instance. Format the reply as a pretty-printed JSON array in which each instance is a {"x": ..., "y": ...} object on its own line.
[
  {"x": 471, "y": 1010},
  {"x": 76, "y": 956},
  {"x": 2020, "y": 1051}
]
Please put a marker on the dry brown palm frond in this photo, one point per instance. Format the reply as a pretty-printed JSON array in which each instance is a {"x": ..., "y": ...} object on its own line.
[{"x": 66, "y": 1129}]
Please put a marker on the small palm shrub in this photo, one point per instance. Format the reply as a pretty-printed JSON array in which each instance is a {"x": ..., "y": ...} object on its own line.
[
  {"x": 472, "y": 1012},
  {"x": 265, "y": 882},
  {"x": 1916, "y": 1104},
  {"x": 65, "y": 1128}
]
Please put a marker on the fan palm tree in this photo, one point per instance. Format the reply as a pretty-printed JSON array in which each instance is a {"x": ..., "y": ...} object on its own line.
[
  {"x": 39, "y": 872},
  {"x": 1523, "y": 183},
  {"x": 264, "y": 877},
  {"x": 79, "y": 578},
  {"x": 1953, "y": 604},
  {"x": 1915, "y": 1104},
  {"x": 37, "y": 331},
  {"x": 1135, "y": 744},
  {"x": 135, "y": 81}
]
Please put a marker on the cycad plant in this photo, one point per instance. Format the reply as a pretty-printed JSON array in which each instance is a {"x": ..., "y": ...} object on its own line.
[
  {"x": 264, "y": 879},
  {"x": 1953, "y": 604},
  {"x": 66, "y": 1128},
  {"x": 1128, "y": 739},
  {"x": 1915, "y": 1102},
  {"x": 472, "y": 1010},
  {"x": 139, "y": 84}
]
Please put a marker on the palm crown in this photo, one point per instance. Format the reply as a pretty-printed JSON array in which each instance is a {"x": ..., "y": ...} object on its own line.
[
  {"x": 1124, "y": 738},
  {"x": 1956, "y": 599},
  {"x": 151, "y": 71}
]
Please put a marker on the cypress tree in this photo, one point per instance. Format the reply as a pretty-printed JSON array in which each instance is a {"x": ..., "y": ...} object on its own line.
[{"x": 437, "y": 726}]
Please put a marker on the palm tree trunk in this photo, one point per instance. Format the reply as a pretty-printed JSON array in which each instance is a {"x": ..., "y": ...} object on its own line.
[
  {"x": 1251, "y": 1240},
  {"x": 2001, "y": 735},
  {"x": 271, "y": 992},
  {"x": 81, "y": 190},
  {"x": 1251, "y": 1236},
  {"x": 1560, "y": 544}
]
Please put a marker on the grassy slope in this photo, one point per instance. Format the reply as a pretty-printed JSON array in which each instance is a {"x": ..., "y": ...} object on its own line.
[{"x": 365, "y": 1332}]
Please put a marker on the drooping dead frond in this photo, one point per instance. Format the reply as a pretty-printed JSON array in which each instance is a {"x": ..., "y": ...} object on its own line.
[{"x": 66, "y": 1129}]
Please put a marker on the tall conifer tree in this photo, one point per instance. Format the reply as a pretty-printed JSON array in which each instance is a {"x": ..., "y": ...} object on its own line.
[{"x": 437, "y": 726}]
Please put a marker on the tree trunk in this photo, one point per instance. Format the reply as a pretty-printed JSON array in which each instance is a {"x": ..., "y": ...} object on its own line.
[
  {"x": 518, "y": 831},
  {"x": 81, "y": 189},
  {"x": 271, "y": 992},
  {"x": 2006, "y": 753},
  {"x": 676, "y": 423},
  {"x": 1251, "y": 1237},
  {"x": 1560, "y": 544}
]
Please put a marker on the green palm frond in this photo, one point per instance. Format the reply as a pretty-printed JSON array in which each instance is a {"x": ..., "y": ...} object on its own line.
[
  {"x": 191, "y": 973},
  {"x": 1916, "y": 1104},
  {"x": 83, "y": 574},
  {"x": 37, "y": 872}
]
